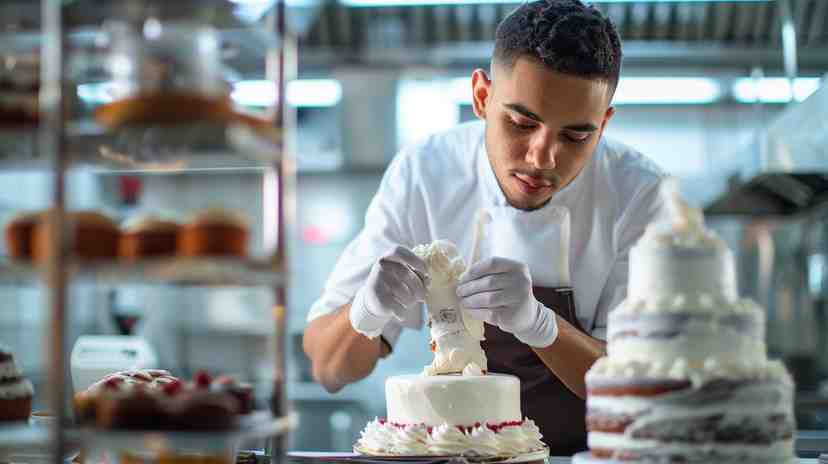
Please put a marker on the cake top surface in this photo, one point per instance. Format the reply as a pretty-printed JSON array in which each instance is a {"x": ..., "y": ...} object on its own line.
[
  {"x": 149, "y": 222},
  {"x": 683, "y": 227},
  {"x": 451, "y": 378},
  {"x": 220, "y": 216},
  {"x": 445, "y": 265}
]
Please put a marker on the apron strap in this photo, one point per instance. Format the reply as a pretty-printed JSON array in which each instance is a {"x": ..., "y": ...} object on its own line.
[{"x": 559, "y": 413}]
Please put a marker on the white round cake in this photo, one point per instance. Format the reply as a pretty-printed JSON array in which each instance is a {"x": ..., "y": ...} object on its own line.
[
  {"x": 686, "y": 377},
  {"x": 474, "y": 415}
]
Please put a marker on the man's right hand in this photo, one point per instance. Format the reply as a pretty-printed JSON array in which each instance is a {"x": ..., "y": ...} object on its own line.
[{"x": 396, "y": 283}]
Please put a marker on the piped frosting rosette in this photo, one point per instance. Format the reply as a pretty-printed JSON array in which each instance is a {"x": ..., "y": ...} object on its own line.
[{"x": 455, "y": 335}]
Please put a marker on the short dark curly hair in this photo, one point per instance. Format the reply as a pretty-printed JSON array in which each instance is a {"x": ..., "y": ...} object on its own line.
[{"x": 565, "y": 35}]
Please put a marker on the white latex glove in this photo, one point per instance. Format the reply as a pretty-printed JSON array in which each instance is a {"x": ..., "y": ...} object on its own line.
[
  {"x": 499, "y": 291},
  {"x": 397, "y": 282}
]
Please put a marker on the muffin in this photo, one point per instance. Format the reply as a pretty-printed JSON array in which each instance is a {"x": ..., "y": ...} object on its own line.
[
  {"x": 94, "y": 236},
  {"x": 148, "y": 236},
  {"x": 16, "y": 392},
  {"x": 214, "y": 232},
  {"x": 19, "y": 90},
  {"x": 18, "y": 234}
]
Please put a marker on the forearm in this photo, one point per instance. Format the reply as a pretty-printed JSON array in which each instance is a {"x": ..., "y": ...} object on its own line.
[
  {"x": 338, "y": 354},
  {"x": 571, "y": 356}
]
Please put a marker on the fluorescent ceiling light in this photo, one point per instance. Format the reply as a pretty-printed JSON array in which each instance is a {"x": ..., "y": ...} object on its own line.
[
  {"x": 260, "y": 93},
  {"x": 395, "y": 3},
  {"x": 300, "y": 93},
  {"x": 774, "y": 89},
  {"x": 666, "y": 90}
]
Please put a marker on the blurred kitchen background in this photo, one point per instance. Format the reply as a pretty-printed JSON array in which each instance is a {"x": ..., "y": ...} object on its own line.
[{"x": 728, "y": 96}]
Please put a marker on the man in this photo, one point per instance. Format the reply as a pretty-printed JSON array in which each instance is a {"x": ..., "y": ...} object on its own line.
[{"x": 538, "y": 148}]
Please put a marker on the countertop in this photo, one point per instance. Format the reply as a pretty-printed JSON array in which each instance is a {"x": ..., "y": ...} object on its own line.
[{"x": 569, "y": 460}]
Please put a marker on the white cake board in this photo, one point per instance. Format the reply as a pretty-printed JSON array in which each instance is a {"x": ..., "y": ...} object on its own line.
[{"x": 538, "y": 455}]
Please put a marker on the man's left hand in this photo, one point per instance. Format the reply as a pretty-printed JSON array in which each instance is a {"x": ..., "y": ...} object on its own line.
[{"x": 499, "y": 291}]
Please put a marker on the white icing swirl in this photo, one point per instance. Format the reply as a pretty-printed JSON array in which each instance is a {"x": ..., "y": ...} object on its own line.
[
  {"x": 608, "y": 369},
  {"x": 686, "y": 303},
  {"x": 685, "y": 226},
  {"x": 8, "y": 370},
  {"x": 519, "y": 439},
  {"x": 410, "y": 440},
  {"x": 448, "y": 440},
  {"x": 19, "y": 389},
  {"x": 445, "y": 439},
  {"x": 483, "y": 441},
  {"x": 377, "y": 437},
  {"x": 445, "y": 265},
  {"x": 471, "y": 370}
]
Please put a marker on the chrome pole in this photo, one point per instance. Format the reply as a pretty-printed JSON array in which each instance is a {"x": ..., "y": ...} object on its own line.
[
  {"x": 51, "y": 145},
  {"x": 280, "y": 69}
]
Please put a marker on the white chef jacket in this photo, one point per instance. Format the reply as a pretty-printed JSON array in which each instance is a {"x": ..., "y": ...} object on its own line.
[{"x": 434, "y": 189}]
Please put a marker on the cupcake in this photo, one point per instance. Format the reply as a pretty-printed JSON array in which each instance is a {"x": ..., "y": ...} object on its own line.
[
  {"x": 94, "y": 236},
  {"x": 18, "y": 234},
  {"x": 15, "y": 392},
  {"x": 214, "y": 232},
  {"x": 148, "y": 236},
  {"x": 19, "y": 89}
]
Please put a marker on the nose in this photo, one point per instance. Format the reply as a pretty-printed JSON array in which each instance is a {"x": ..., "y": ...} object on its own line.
[{"x": 543, "y": 152}]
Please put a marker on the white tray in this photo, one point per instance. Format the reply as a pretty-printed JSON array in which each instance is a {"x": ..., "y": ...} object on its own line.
[{"x": 538, "y": 455}]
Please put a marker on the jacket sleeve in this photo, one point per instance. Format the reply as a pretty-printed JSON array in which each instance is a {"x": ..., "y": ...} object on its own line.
[
  {"x": 645, "y": 207},
  {"x": 386, "y": 226}
]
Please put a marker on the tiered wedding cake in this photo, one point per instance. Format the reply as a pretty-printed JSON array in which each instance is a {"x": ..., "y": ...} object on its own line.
[
  {"x": 454, "y": 407},
  {"x": 686, "y": 378}
]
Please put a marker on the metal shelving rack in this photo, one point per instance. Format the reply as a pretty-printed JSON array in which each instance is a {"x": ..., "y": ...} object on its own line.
[{"x": 61, "y": 269}]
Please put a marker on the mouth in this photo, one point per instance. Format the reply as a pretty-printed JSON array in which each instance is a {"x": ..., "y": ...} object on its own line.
[{"x": 532, "y": 184}]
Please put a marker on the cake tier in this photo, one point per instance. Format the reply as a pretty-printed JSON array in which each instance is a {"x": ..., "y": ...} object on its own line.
[
  {"x": 659, "y": 270},
  {"x": 506, "y": 439},
  {"x": 670, "y": 420},
  {"x": 725, "y": 337},
  {"x": 589, "y": 458},
  {"x": 453, "y": 399}
]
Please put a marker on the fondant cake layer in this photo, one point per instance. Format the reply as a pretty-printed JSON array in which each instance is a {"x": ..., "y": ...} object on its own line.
[
  {"x": 667, "y": 270},
  {"x": 727, "y": 338},
  {"x": 453, "y": 399}
]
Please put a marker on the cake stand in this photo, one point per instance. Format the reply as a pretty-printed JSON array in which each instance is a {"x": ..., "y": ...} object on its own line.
[{"x": 532, "y": 456}]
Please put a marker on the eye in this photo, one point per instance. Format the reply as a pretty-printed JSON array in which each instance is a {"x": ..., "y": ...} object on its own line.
[
  {"x": 573, "y": 139},
  {"x": 519, "y": 126}
]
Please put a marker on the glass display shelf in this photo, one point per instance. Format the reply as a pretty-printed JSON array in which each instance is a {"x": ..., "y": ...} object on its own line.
[
  {"x": 21, "y": 442},
  {"x": 180, "y": 148},
  {"x": 174, "y": 271}
]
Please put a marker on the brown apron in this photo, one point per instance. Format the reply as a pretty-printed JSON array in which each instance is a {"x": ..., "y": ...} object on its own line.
[{"x": 558, "y": 412}]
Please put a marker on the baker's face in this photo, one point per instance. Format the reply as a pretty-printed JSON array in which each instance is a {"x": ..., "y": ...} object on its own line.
[{"x": 541, "y": 127}]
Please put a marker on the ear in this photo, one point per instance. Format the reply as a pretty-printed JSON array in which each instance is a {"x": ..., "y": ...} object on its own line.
[
  {"x": 481, "y": 89},
  {"x": 607, "y": 116}
]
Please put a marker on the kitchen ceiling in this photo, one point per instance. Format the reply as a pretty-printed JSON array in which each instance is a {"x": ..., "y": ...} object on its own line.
[{"x": 663, "y": 33}]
